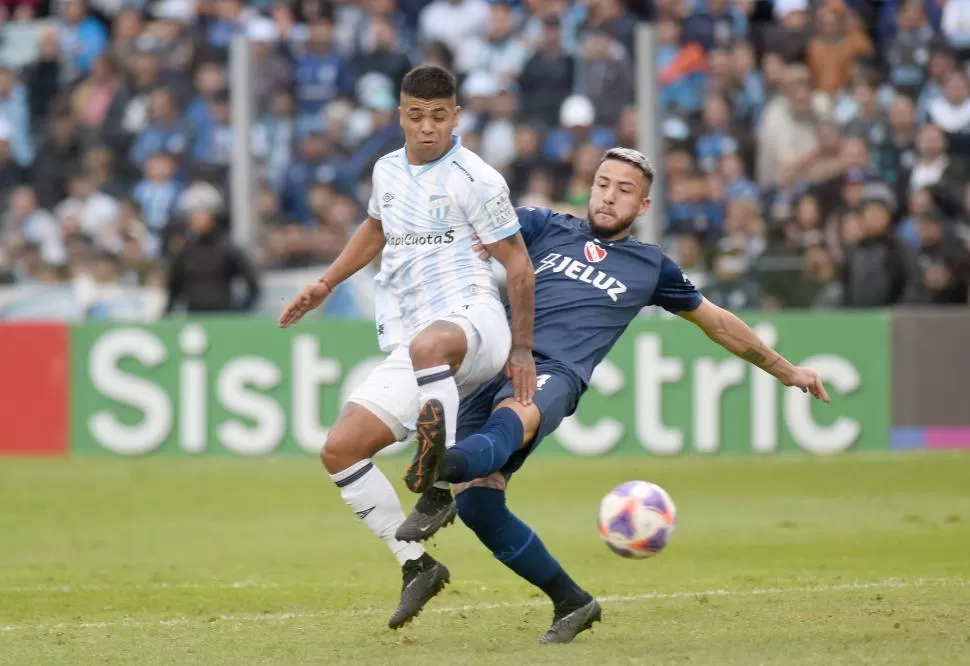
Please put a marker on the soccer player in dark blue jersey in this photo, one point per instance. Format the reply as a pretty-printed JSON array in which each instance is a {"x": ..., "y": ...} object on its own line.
[{"x": 592, "y": 278}]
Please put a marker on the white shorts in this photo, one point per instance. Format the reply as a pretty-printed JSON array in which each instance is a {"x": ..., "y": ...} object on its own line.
[{"x": 390, "y": 391}]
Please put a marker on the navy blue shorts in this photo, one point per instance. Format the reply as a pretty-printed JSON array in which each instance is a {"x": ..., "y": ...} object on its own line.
[{"x": 557, "y": 394}]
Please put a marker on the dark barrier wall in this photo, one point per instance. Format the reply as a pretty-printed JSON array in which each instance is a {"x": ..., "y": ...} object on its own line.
[{"x": 931, "y": 378}]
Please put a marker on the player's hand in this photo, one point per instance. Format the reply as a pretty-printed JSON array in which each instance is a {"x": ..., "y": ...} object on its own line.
[
  {"x": 479, "y": 248},
  {"x": 809, "y": 382},
  {"x": 521, "y": 369},
  {"x": 311, "y": 297}
]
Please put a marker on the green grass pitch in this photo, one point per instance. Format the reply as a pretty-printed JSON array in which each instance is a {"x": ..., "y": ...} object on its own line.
[{"x": 860, "y": 559}]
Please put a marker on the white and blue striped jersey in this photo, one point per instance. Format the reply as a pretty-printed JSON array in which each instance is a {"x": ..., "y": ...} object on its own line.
[{"x": 430, "y": 214}]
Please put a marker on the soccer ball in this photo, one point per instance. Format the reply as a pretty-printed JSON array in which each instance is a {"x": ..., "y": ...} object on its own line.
[{"x": 636, "y": 519}]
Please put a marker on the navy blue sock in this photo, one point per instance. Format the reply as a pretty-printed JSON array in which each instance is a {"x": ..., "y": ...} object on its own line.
[
  {"x": 516, "y": 546},
  {"x": 487, "y": 450}
]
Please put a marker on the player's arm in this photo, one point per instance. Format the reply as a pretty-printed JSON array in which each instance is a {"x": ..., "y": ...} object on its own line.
[
  {"x": 496, "y": 223},
  {"x": 727, "y": 330},
  {"x": 366, "y": 243},
  {"x": 675, "y": 293},
  {"x": 520, "y": 284}
]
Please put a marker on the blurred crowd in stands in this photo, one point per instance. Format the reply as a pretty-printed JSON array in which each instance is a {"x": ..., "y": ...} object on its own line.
[{"x": 816, "y": 152}]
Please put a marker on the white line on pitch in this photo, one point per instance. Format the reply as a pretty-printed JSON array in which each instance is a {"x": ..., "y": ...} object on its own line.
[
  {"x": 888, "y": 584},
  {"x": 212, "y": 585}
]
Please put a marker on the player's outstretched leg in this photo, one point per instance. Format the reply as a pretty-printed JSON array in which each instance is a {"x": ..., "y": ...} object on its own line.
[
  {"x": 474, "y": 457},
  {"x": 358, "y": 435},
  {"x": 518, "y": 547},
  {"x": 435, "y": 352}
]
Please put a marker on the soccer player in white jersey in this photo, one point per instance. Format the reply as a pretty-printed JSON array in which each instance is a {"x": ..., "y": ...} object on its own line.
[{"x": 439, "y": 314}]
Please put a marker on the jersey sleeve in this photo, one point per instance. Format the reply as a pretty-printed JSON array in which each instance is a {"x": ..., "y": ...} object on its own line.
[
  {"x": 490, "y": 210},
  {"x": 374, "y": 203},
  {"x": 533, "y": 221},
  {"x": 674, "y": 292}
]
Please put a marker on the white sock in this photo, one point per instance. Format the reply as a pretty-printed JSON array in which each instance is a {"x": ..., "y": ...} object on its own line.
[
  {"x": 438, "y": 383},
  {"x": 371, "y": 496}
]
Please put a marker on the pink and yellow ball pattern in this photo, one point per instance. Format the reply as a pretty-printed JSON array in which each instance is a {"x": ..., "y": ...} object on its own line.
[{"x": 636, "y": 519}]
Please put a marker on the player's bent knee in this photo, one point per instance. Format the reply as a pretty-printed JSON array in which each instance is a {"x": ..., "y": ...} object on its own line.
[
  {"x": 441, "y": 343},
  {"x": 530, "y": 416},
  {"x": 357, "y": 435},
  {"x": 494, "y": 481}
]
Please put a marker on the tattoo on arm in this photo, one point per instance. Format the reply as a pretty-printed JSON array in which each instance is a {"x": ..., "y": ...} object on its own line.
[{"x": 755, "y": 356}]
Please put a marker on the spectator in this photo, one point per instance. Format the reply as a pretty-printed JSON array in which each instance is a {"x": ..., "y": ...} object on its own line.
[
  {"x": 500, "y": 51},
  {"x": 453, "y": 22},
  {"x": 818, "y": 286},
  {"x": 210, "y": 80},
  {"x": 787, "y": 133},
  {"x": 203, "y": 272},
  {"x": 271, "y": 69},
  {"x": 228, "y": 21},
  {"x": 613, "y": 17},
  {"x": 92, "y": 99},
  {"x": 91, "y": 209},
  {"x": 134, "y": 263},
  {"x": 322, "y": 74},
  {"x": 715, "y": 23},
  {"x": 384, "y": 52},
  {"x": 942, "y": 64},
  {"x": 15, "y": 113},
  {"x": 498, "y": 133},
  {"x": 166, "y": 131},
  {"x": 157, "y": 194},
  {"x": 59, "y": 156},
  {"x": 125, "y": 33},
  {"x": 33, "y": 225},
  {"x": 955, "y": 24},
  {"x": 12, "y": 175},
  {"x": 315, "y": 163},
  {"x": 275, "y": 136},
  {"x": 717, "y": 139},
  {"x": 43, "y": 78},
  {"x": 688, "y": 252},
  {"x": 935, "y": 169},
  {"x": 576, "y": 196},
  {"x": 832, "y": 51},
  {"x": 880, "y": 270},
  {"x": 23, "y": 10},
  {"x": 751, "y": 98},
  {"x": 908, "y": 53},
  {"x": 129, "y": 113},
  {"x": 896, "y": 153},
  {"x": 548, "y": 76},
  {"x": 174, "y": 32},
  {"x": 944, "y": 260},
  {"x": 951, "y": 112},
  {"x": 788, "y": 35},
  {"x": 866, "y": 118},
  {"x": 576, "y": 118},
  {"x": 212, "y": 143},
  {"x": 82, "y": 38},
  {"x": 605, "y": 76}
]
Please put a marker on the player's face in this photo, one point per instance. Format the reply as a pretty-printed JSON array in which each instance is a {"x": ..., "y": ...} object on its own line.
[
  {"x": 428, "y": 125},
  {"x": 619, "y": 195}
]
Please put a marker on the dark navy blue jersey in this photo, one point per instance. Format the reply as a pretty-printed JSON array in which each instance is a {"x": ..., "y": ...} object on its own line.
[{"x": 588, "y": 290}]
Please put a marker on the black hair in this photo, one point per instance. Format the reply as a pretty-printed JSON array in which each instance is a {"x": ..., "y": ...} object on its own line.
[{"x": 430, "y": 82}]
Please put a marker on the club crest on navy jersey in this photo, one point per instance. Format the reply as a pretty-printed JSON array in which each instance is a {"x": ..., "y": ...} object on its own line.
[{"x": 594, "y": 253}]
